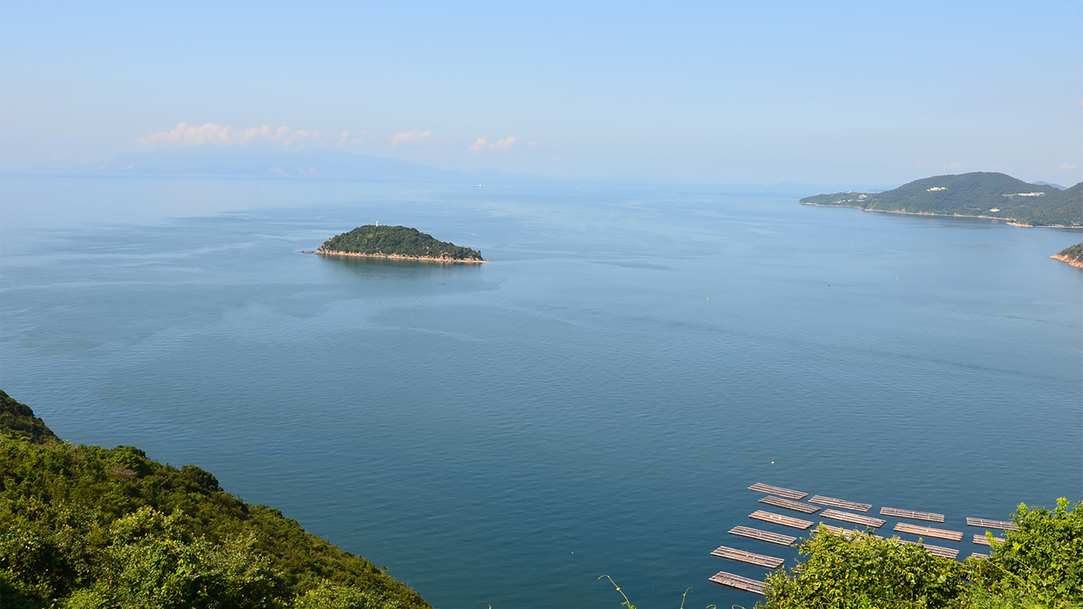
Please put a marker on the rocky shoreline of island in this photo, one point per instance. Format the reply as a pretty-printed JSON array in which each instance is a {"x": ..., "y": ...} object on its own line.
[
  {"x": 444, "y": 260},
  {"x": 1075, "y": 263},
  {"x": 396, "y": 243},
  {"x": 1008, "y": 221},
  {"x": 1072, "y": 255}
]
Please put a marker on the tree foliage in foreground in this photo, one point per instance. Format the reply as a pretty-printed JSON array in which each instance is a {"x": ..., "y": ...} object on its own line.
[
  {"x": 89, "y": 527},
  {"x": 861, "y": 571},
  {"x": 1038, "y": 566},
  {"x": 1040, "y": 563}
]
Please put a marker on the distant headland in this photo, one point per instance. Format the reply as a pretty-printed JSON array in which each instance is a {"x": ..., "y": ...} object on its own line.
[
  {"x": 976, "y": 195},
  {"x": 1072, "y": 255},
  {"x": 399, "y": 243}
]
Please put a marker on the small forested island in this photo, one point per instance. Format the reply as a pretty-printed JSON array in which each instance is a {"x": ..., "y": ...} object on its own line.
[
  {"x": 401, "y": 242},
  {"x": 978, "y": 194},
  {"x": 1072, "y": 255},
  {"x": 85, "y": 526}
]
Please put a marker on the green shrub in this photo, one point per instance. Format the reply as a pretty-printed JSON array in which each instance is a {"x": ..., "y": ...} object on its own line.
[
  {"x": 860, "y": 571},
  {"x": 1040, "y": 563}
]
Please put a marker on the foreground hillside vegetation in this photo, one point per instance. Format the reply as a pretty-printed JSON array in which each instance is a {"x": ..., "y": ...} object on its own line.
[
  {"x": 991, "y": 195},
  {"x": 1038, "y": 566},
  {"x": 396, "y": 241},
  {"x": 90, "y": 527}
]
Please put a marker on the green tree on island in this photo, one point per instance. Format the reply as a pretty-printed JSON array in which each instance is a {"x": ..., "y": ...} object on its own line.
[{"x": 374, "y": 240}]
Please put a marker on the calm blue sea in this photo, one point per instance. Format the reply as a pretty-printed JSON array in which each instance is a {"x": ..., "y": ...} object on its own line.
[{"x": 593, "y": 401}]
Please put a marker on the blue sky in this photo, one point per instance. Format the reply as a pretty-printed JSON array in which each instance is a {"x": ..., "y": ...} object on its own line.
[{"x": 839, "y": 93}]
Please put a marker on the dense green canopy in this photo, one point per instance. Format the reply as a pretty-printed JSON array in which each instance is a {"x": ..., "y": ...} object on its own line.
[
  {"x": 971, "y": 194},
  {"x": 1038, "y": 565},
  {"x": 85, "y": 526},
  {"x": 395, "y": 241}
]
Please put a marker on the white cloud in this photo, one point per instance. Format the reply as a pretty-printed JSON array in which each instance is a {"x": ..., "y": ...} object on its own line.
[
  {"x": 225, "y": 135},
  {"x": 1067, "y": 166},
  {"x": 411, "y": 137},
  {"x": 483, "y": 144},
  {"x": 503, "y": 144},
  {"x": 956, "y": 165}
]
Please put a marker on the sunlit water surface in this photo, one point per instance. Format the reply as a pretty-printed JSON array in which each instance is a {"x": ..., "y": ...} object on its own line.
[{"x": 593, "y": 401}]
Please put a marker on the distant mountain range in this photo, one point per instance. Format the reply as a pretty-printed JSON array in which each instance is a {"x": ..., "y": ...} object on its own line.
[
  {"x": 984, "y": 195},
  {"x": 263, "y": 163},
  {"x": 1057, "y": 186}
]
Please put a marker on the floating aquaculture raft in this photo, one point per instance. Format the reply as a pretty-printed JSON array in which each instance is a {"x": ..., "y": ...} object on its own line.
[
  {"x": 936, "y": 550},
  {"x": 1005, "y": 525},
  {"x": 769, "y": 537},
  {"x": 840, "y": 503},
  {"x": 785, "y": 521},
  {"x": 753, "y": 559},
  {"x": 868, "y": 521},
  {"x": 897, "y": 513},
  {"x": 796, "y": 506},
  {"x": 914, "y": 529},
  {"x": 777, "y": 490},
  {"x": 981, "y": 540},
  {"x": 741, "y": 583}
]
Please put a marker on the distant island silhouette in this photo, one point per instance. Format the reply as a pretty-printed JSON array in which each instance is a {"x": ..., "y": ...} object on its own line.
[
  {"x": 397, "y": 242},
  {"x": 978, "y": 195}
]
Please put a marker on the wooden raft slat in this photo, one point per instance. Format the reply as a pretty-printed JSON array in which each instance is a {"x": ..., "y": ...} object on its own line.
[
  {"x": 796, "y": 506},
  {"x": 913, "y": 529},
  {"x": 777, "y": 490},
  {"x": 753, "y": 559},
  {"x": 979, "y": 555},
  {"x": 741, "y": 583},
  {"x": 897, "y": 513},
  {"x": 785, "y": 521},
  {"x": 842, "y": 531},
  {"x": 840, "y": 503},
  {"x": 982, "y": 541},
  {"x": 935, "y": 550},
  {"x": 868, "y": 521},
  {"x": 1004, "y": 525},
  {"x": 769, "y": 537}
]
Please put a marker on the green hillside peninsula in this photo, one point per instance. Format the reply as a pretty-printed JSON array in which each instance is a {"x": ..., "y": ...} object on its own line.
[
  {"x": 978, "y": 195},
  {"x": 1072, "y": 255},
  {"x": 401, "y": 242},
  {"x": 91, "y": 527}
]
